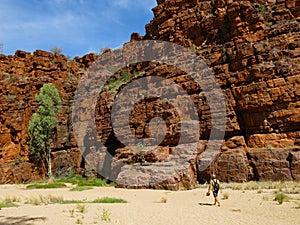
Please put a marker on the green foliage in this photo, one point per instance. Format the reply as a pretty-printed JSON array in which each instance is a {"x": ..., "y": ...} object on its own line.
[
  {"x": 45, "y": 185},
  {"x": 262, "y": 8},
  {"x": 72, "y": 201},
  {"x": 85, "y": 182},
  {"x": 103, "y": 200},
  {"x": 42, "y": 124},
  {"x": 9, "y": 201},
  {"x": 81, "y": 188},
  {"x": 7, "y": 204},
  {"x": 281, "y": 197},
  {"x": 125, "y": 77},
  {"x": 109, "y": 200},
  {"x": 136, "y": 73}
]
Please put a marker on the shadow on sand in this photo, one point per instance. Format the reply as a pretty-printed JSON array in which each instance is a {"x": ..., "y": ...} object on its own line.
[
  {"x": 22, "y": 220},
  {"x": 201, "y": 203}
]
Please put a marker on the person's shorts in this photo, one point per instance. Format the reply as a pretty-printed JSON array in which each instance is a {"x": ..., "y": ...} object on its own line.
[{"x": 215, "y": 193}]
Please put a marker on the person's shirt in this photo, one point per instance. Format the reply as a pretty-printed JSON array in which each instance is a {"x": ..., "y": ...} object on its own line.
[{"x": 213, "y": 181}]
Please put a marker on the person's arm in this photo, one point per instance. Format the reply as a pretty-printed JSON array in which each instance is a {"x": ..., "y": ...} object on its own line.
[{"x": 209, "y": 187}]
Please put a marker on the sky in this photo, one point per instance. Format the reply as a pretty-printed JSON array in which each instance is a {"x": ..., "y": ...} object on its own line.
[{"x": 77, "y": 26}]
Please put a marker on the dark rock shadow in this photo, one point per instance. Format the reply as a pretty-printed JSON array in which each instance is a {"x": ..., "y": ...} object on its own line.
[{"x": 21, "y": 220}]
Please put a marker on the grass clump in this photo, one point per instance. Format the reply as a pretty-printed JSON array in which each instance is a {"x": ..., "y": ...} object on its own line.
[
  {"x": 163, "y": 200},
  {"x": 9, "y": 201},
  {"x": 259, "y": 191},
  {"x": 81, "y": 188},
  {"x": 7, "y": 204},
  {"x": 81, "y": 208},
  {"x": 225, "y": 195},
  {"x": 79, "y": 221},
  {"x": 98, "y": 200},
  {"x": 252, "y": 185},
  {"x": 281, "y": 197},
  {"x": 46, "y": 185},
  {"x": 105, "y": 216},
  {"x": 79, "y": 181},
  {"x": 298, "y": 204},
  {"x": 109, "y": 200},
  {"x": 73, "y": 201},
  {"x": 85, "y": 182},
  {"x": 265, "y": 198},
  {"x": 44, "y": 200}
]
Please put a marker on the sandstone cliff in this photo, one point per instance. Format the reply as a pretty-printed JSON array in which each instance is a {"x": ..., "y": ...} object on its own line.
[{"x": 253, "y": 48}]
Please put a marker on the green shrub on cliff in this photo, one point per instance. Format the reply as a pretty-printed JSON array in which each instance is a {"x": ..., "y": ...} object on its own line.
[{"x": 42, "y": 126}]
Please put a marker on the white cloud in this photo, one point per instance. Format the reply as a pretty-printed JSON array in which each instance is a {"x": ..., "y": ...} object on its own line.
[{"x": 76, "y": 26}]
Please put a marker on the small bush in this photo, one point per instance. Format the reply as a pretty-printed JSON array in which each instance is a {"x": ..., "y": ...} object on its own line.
[{"x": 280, "y": 198}]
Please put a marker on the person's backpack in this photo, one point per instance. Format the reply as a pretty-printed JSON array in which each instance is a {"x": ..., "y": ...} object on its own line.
[{"x": 216, "y": 185}]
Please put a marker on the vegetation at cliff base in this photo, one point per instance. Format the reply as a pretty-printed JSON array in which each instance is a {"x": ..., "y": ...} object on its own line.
[{"x": 42, "y": 126}]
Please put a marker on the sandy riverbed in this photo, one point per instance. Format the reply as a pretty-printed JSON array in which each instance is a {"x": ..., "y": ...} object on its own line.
[{"x": 145, "y": 207}]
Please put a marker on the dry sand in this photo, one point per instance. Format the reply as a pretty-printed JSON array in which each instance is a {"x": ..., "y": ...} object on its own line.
[{"x": 144, "y": 207}]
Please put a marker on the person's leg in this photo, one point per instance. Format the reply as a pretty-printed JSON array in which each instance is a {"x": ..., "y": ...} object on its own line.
[
  {"x": 217, "y": 201},
  {"x": 215, "y": 197}
]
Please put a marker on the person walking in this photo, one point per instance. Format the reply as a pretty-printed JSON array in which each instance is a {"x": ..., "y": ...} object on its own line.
[{"x": 215, "y": 186}]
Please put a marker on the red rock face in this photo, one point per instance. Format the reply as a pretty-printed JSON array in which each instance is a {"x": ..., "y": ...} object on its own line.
[
  {"x": 253, "y": 49},
  {"x": 22, "y": 76}
]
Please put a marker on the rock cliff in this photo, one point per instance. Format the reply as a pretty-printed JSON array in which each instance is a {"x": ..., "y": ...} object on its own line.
[
  {"x": 253, "y": 48},
  {"x": 22, "y": 75}
]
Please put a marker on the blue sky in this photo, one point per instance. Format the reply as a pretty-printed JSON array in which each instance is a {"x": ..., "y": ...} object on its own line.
[{"x": 77, "y": 26}]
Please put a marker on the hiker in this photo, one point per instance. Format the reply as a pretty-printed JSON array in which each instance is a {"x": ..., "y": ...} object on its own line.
[{"x": 215, "y": 186}]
